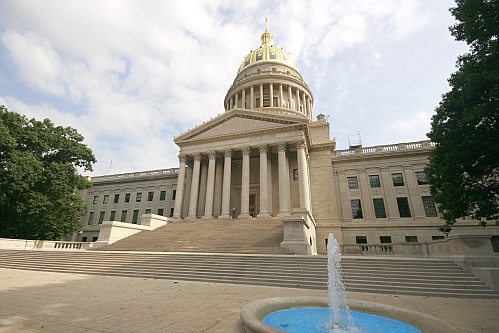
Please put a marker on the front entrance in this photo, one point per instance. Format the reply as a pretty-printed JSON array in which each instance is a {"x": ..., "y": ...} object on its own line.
[{"x": 252, "y": 205}]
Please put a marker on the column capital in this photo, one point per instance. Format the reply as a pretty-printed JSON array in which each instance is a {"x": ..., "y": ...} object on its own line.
[
  {"x": 281, "y": 145},
  {"x": 212, "y": 154},
  {"x": 196, "y": 156},
  {"x": 182, "y": 158},
  {"x": 245, "y": 150},
  {"x": 301, "y": 144},
  {"x": 263, "y": 149},
  {"x": 228, "y": 152}
]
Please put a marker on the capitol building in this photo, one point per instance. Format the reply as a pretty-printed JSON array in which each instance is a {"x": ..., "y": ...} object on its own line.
[{"x": 267, "y": 157}]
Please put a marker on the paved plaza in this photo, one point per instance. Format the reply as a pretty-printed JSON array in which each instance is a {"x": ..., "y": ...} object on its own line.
[{"x": 56, "y": 302}]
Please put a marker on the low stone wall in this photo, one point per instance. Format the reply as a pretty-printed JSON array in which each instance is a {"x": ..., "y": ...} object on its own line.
[
  {"x": 299, "y": 232},
  {"x": 473, "y": 253},
  {"x": 113, "y": 231},
  {"x": 26, "y": 244}
]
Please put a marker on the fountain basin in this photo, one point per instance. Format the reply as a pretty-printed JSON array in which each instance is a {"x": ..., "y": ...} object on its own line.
[{"x": 253, "y": 313}]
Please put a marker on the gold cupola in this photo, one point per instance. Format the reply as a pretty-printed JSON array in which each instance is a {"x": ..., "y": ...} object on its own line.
[{"x": 267, "y": 52}]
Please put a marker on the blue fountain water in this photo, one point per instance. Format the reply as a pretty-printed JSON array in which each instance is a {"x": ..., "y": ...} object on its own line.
[
  {"x": 337, "y": 318},
  {"x": 316, "y": 320}
]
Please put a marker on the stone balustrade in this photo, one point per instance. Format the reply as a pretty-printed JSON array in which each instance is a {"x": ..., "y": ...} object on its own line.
[
  {"x": 385, "y": 148},
  {"x": 171, "y": 171}
]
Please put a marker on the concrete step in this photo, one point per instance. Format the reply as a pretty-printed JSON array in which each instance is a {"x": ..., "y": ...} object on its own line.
[
  {"x": 252, "y": 236},
  {"x": 284, "y": 271}
]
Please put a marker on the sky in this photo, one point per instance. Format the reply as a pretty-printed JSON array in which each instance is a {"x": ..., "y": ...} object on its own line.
[{"x": 130, "y": 75}]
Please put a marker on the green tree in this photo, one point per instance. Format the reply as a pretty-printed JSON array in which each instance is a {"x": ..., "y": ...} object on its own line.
[
  {"x": 464, "y": 166},
  {"x": 38, "y": 177}
]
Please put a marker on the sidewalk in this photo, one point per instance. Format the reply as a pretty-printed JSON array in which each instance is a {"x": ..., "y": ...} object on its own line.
[{"x": 55, "y": 302}]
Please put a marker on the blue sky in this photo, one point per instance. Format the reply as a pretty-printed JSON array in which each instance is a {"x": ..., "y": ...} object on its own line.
[{"x": 131, "y": 75}]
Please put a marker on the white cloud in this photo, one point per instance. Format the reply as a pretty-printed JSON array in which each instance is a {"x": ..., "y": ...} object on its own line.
[{"x": 131, "y": 75}]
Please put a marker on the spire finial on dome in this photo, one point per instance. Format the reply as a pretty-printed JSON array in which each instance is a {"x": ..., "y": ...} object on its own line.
[{"x": 267, "y": 38}]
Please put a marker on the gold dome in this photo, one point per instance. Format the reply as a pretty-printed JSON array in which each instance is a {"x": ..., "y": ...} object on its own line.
[{"x": 267, "y": 52}]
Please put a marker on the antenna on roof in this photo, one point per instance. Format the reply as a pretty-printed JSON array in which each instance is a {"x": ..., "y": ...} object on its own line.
[{"x": 354, "y": 140}]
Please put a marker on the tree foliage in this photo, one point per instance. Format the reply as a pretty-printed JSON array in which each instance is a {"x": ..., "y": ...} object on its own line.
[
  {"x": 38, "y": 177},
  {"x": 464, "y": 166}
]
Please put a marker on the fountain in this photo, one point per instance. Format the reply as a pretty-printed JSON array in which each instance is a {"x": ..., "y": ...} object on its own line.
[{"x": 332, "y": 314}]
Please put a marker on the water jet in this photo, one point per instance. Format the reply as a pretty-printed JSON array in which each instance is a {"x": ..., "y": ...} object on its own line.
[{"x": 340, "y": 320}]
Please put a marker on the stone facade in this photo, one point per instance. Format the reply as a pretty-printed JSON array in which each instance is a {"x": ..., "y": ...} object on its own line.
[{"x": 266, "y": 157}]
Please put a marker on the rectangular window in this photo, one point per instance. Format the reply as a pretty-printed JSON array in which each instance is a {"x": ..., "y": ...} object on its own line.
[
  {"x": 356, "y": 208},
  {"x": 361, "y": 239},
  {"x": 138, "y": 197},
  {"x": 150, "y": 196},
  {"x": 379, "y": 208},
  {"x": 116, "y": 198},
  {"x": 96, "y": 199},
  {"x": 127, "y": 197},
  {"x": 84, "y": 239},
  {"x": 429, "y": 207},
  {"x": 421, "y": 178},
  {"x": 94, "y": 239},
  {"x": 135, "y": 216},
  {"x": 160, "y": 211},
  {"x": 374, "y": 181},
  {"x": 123, "y": 216},
  {"x": 172, "y": 211},
  {"x": 101, "y": 217},
  {"x": 174, "y": 194},
  {"x": 91, "y": 218},
  {"x": 397, "y": 179},
  {"x": 295, "y": 174},
  {"x": 113, "y": 215},
  {"x": 148, "y": 211},
  {"x": 385, "y": 239},
  {"x": 411, "y": 239},
  {"x": 437, "y": 237},
  {"x": 353, "y": 183},
  {"x": 162, "y": 195},
  {"x": 403, "y": 206},
  {"x": 106, "y": 199}
]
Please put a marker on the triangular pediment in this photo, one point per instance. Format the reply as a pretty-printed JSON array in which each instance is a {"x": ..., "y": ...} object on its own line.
[{"x": 237, "y": 123}]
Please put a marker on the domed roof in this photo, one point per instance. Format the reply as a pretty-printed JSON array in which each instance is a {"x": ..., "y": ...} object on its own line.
[{"x": 267, "y": 52}]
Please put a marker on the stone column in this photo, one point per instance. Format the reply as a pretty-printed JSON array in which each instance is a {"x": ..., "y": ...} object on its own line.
[
  {"x": 264, "y": 191},
  {"x": 281, "y": 97},
  {"x": 219, "y": 174},
  {"x": 177, "y": 209},
  {"x": 269, "y": 181},
  {"x": 188, "y": 183},
  {"x": 283, "y": 180},
  {"x": 193, "y": 202},
  {"x": 290, "y": 96},
  {"x": 226, "y": 185},
  {"x": 261, "y": 96},
  {"x": 271, "y": 86},
  {"x": 243, "y": 99},
  {"x": 231, "y": 103},
  {"x": 245, "y": 180},
  {"x": 252, "y": 97},
  {"x": 303, "y": 183},
  {"x": 298, "y": 100},
  {"x": 236, "y": 100},
  {"x": 202, "y": 186},
  {"x": 210, "y": 186},
  {"x": 305, "y": 103}
]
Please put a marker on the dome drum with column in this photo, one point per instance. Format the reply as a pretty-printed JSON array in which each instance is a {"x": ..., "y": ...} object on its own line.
[{"x": 267, "y": 79}]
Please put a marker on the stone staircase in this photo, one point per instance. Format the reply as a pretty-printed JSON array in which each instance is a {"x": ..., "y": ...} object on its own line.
[
  {"x": 244, "y": 236},
  {"x": 383, "y": 275}
]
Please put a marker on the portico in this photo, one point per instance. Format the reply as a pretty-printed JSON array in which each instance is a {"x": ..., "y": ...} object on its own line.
[{"x": 257, "y": 181}]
